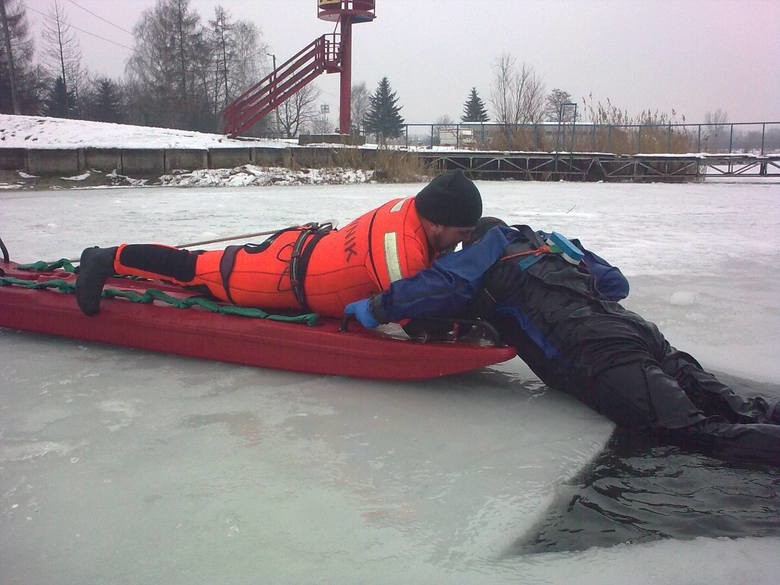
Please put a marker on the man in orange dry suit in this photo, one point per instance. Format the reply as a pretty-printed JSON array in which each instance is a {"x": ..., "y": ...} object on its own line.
[{"x": 311, "y": 268}]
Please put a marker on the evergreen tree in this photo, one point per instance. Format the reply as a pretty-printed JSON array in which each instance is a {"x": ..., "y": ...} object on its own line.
[
  {"x": 60, "y": 103},
  {"x": 474, "y": 109},
  {"x": 105, "y": 101},
  {"x": 383, "y": 117},
  {"x": 63, "y": 58}
]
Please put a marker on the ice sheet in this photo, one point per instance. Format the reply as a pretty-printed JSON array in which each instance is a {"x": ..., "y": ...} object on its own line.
[
  {"x": 701, "y": 258},
  {"x": 124, "y": 466},
  {"x": 116, "y": 461}
]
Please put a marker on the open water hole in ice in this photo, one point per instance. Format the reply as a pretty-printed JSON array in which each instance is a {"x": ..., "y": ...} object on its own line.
[
  {"x": 637, "y": 490},
  {"x": 702, "y": 262}
]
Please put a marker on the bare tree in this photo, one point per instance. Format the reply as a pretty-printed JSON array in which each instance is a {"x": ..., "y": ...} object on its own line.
[
  {"x": 169, "y": 67},
  {"x": 250, "y": 55},
  {"x": 223, "y": 55},
  {"x": 718, "y": 117},
  {"x": 556, "y": 107},
  {"x": 298, "y": 111},
  {"x": 237, "y": 56},
  {"x": 501, "y": 90},
  {"x": 359, "y": 106},
  {"x": 322, "y": 124},
  {"x": 63, "y": 59},
  {"x": 445, "y": 130},
  {"x": 715, "y": 130},
  {"x": 517, "y": 94},
  {"x": 530, "y": 92}
]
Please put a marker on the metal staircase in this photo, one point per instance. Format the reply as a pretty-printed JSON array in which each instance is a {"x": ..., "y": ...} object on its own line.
[{"x": 322, "y": 55}]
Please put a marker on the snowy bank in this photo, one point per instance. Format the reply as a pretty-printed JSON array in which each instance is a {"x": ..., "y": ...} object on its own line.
[{"x": 43, "y": 132}]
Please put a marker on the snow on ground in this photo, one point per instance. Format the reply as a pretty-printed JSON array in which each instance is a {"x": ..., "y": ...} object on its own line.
[
  {"x": 241, "y": 176},
  {"x": 43, "y": 132},
  {"x": 251, "y": 175}
]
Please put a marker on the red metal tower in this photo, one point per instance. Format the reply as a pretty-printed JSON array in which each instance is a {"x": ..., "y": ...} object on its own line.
[
  {"x": 346, "y": 12},
  {"x": 330, "y": 53}
]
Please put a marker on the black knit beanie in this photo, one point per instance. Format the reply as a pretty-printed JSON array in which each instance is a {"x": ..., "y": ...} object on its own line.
[{"x": 450, "y": 199}]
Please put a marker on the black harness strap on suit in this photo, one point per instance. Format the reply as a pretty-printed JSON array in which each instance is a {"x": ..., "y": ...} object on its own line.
[
  {"x": 301, "y": 255},
  {"x": 302, "y": 250},
  {"x": 226, "y": 264}
]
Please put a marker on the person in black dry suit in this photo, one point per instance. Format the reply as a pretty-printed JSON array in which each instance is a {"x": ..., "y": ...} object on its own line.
[{"x": 556, "y": 303}]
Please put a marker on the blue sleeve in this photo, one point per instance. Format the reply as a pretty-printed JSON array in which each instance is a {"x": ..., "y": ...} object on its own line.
[
  {"x": 610, "y": 282},
  {"x": 447, "y": 287}
]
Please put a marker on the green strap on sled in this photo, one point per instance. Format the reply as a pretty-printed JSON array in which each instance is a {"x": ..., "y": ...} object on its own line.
[
  {"x": 58, "y": 283},
  {"x": 149, "y": 296},
  {"x": 42, "y": 266}
]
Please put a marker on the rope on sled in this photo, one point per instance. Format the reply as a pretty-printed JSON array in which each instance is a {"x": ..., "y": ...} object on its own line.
[
  {"x": 43, "y": 266},
  {"x": 148, "y": 296}
]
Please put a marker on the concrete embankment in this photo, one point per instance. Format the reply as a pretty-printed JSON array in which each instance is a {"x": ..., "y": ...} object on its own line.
[
  {"x": 398, "y": 165},
  {"x": 153, "y": 162}
]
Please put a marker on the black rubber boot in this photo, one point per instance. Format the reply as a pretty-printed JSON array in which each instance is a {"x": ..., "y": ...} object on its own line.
[
  {"x": 96, "y": 265},
  {"x": 164, "y": 261}
]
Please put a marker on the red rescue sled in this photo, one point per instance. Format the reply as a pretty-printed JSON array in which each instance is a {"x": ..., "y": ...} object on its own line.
[{"x": 195, "y": 332}]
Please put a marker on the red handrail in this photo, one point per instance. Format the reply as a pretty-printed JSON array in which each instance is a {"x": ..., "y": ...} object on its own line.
[{"x": 274, "y": 89}]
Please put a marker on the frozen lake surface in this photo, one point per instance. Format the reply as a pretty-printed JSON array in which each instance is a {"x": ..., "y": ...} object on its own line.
[{"x": 124, "y": 466}]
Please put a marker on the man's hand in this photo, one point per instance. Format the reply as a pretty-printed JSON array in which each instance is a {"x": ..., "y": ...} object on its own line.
[{"x": 362, "y": 312}]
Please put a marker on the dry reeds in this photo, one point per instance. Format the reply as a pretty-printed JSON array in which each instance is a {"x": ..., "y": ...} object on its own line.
[
  {"x": 396, "y": 166},
  {"x": 389, "y": 165}
]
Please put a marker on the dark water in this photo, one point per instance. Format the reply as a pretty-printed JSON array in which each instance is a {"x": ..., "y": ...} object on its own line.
[{"x": 639, "y": 490}]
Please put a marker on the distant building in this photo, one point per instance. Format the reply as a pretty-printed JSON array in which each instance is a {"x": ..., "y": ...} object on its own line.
[{"x": 457, "y": 136}]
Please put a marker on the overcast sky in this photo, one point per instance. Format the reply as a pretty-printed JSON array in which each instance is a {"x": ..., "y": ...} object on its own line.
[{"x": 691, "y": 56}]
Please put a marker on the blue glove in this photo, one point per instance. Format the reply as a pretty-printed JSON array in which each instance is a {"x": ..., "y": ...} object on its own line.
[{"x": 362, "y": 312}]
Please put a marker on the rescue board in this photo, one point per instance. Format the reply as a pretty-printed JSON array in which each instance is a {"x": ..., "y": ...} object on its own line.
[{"x": 321, "y": 348}]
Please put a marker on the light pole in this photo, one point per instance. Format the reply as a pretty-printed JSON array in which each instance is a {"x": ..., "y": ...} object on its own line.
[
  {"x": 273, "y": 91},
  {"x": 324, "y": 111}
]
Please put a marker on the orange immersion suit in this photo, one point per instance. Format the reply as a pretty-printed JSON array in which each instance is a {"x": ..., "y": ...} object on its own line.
[{"x": 310, "y": 269}]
